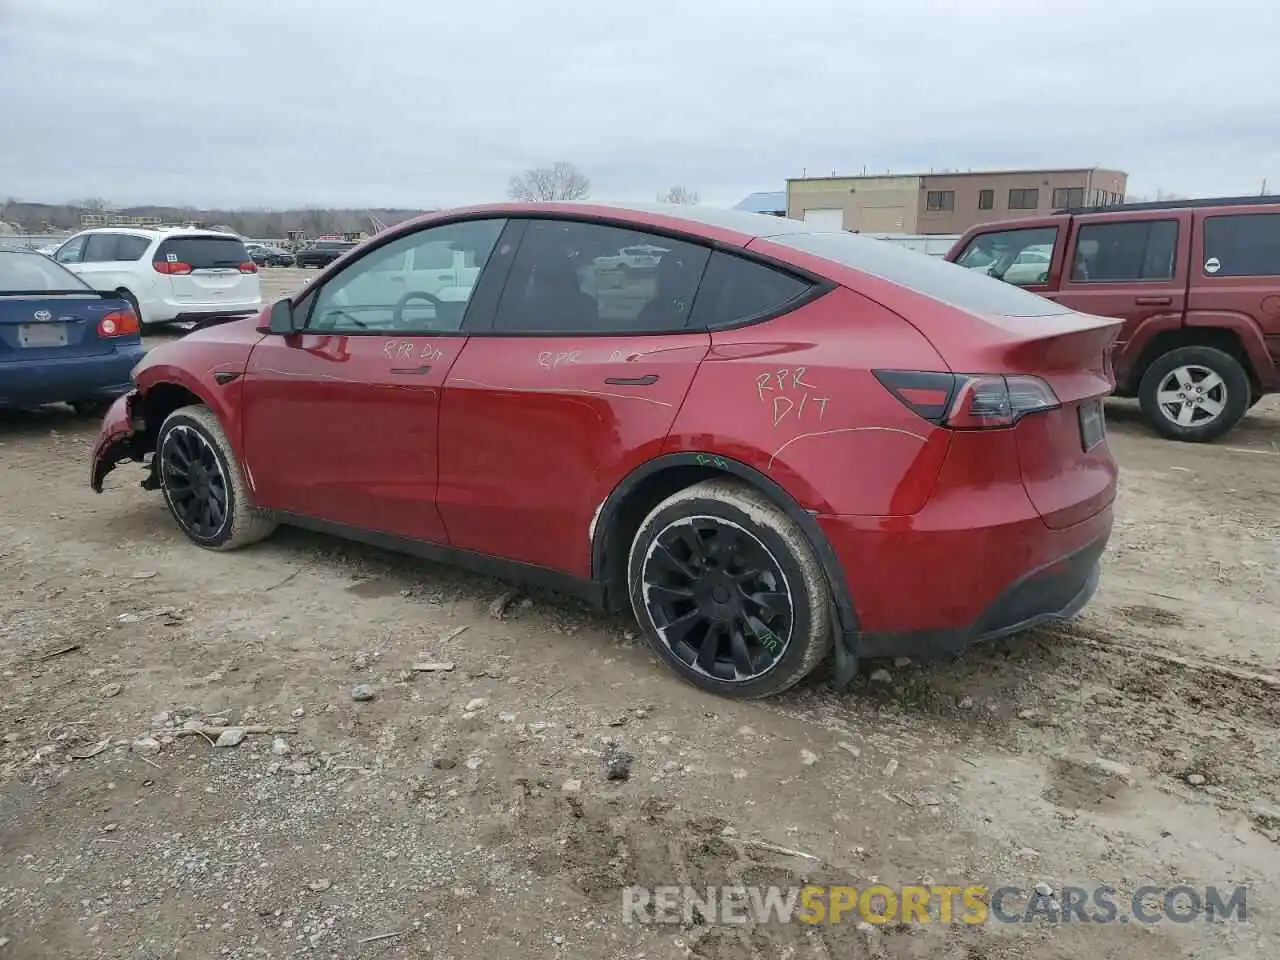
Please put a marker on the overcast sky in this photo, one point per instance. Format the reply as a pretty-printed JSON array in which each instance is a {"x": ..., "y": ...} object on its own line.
[{"x": 422, "y": 103}]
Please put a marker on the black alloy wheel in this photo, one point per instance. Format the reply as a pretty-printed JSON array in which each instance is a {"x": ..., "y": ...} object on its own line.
[
  {"x": 194, "y": 482},
  {"x": 718, "y": 598}
]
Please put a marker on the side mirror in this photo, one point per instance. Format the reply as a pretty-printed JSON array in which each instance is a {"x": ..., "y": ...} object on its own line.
[{"x": 281, "y": 320}]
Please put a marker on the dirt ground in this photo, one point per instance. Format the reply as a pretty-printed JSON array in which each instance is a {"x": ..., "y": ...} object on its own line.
[{"x": 468, "y": 814}]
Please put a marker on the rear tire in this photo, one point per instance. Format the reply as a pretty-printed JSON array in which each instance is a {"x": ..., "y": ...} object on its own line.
[
  {"x": 208, "y": 497},
  {"x": 1194, "y": 394},
  {"x": 729, "y": 592}
]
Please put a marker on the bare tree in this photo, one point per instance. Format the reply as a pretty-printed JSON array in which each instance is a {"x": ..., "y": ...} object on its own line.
[
  {"x": 678, "y": 194},
  {"x": 560, "y": 181}
]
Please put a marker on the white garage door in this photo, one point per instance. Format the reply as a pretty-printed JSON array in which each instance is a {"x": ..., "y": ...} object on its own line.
[{"x": 825, "y": 219}]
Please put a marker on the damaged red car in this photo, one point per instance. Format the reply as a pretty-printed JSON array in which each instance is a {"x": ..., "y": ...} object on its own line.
[{"x": 777, "y": 447}]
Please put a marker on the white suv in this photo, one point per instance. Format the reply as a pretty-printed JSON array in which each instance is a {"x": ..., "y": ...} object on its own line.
[{"x": 175, "y": 274}]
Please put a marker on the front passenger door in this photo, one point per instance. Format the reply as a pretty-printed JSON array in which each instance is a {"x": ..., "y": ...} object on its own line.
[{"x": 340, "y": 420}]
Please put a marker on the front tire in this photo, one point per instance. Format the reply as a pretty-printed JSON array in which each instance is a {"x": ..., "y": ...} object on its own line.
[
  {"x": 729, "y": 591},
  {"x": 203, "y": 484},
  {"x": 1194, "y": 394}
]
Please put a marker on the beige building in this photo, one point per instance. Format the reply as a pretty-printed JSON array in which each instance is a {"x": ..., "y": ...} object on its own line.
[{"x": 946, "y": 203}]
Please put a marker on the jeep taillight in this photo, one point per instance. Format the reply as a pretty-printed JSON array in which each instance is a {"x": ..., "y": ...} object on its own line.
[{"x": 964, "y": 401}]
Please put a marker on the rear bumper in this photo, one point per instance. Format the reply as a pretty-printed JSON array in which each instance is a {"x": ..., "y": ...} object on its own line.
[
  {"x": 1058, "y": 591},
  {"x": 74, "y": 378},
  {"x": 918, "y": 591}
]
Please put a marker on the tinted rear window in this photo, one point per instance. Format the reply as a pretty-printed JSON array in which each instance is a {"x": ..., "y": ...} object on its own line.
[
  {"x": 36, "y": 273},
  {"x": 203, "y": 252},
  {"x": 930, "y": 276},
  {"x": 1244, "y": 246},
  {"x": 734, "y": 289}
]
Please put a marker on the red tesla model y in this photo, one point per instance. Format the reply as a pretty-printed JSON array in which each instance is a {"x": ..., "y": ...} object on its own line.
[{"x": 775, "y": 445}]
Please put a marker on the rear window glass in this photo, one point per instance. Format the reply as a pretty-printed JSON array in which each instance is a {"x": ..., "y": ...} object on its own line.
[
  {"x": 36, "y": 273},
  {"x": 1242, "y": 246},
  {"x": 203, "y": 252},
  {"x": 930, "y": 276},
  {"x": 333, "y": 245}
]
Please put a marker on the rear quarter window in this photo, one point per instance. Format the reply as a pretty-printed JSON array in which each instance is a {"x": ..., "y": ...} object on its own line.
[
  {"x": 1246, "y": 245},
  {"x": 930, "y": 276},
  {"x": 734, "y": 290},
  {"x": 203, "y": 253}
]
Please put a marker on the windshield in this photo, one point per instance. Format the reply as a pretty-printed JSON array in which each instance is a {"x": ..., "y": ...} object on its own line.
[{"x": 36, "y": 273}]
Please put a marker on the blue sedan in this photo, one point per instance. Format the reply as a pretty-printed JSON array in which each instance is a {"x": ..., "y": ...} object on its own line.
[{"x": 61, "y": 340}]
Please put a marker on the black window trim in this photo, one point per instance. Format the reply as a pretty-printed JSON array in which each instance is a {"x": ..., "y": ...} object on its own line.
[
  {"x": 478, "y": 321},
  {"x": 819, "y": 285},
  {"x": 305, "y": 302},
  {"x": 989, "y": 194},
  {"x": 1074, "y": 242}
]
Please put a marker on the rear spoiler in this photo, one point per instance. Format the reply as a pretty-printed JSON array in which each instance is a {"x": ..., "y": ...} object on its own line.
[{"x": 86, "y": 292}]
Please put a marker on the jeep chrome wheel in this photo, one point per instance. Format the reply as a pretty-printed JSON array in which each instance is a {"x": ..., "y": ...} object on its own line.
[
  {"x": 1194, "y": 393},
  {"x": 718, "y": 598},
  {"x": 729, "y": 591},
  {"x": 1192, "y": 396}
]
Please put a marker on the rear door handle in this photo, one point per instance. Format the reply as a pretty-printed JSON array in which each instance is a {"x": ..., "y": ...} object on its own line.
[
  {"x": 412, "y": 371},
  {"x": 1153, "y": 301},
  {"x": 645, "y": 381}
]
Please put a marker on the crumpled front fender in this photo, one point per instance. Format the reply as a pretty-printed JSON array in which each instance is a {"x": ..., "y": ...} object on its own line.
[{"x": 119, "y": 439}]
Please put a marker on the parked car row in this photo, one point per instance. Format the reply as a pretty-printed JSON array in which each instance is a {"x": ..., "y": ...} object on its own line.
[{"x": 268, "y": 256}]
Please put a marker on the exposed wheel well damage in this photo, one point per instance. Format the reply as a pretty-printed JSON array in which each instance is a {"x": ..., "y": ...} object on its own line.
[
  {"x": 147, "y": 411},
  {"x": 625, "y": 509},
  {"x": 153, "y": 406}
]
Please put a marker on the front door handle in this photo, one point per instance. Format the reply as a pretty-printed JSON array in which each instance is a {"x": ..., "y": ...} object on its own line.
[
  {"x": 645, "y": 381},
  {"x": 1153, "y": 301},
  {"x": 412, "y": 371}
]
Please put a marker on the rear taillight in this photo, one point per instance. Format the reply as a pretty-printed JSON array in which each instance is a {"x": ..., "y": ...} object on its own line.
[
  {"x": 963, "y": 401},
  {"x": 118, "y": 323},
  {"x": 172, "y": 267},
  {"x": 249, "y": 267}
]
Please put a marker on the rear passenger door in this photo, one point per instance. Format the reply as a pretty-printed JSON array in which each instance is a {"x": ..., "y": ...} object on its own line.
[
  {"x": 576, "y": 381},
  {"x": 1130, "y": 266}
]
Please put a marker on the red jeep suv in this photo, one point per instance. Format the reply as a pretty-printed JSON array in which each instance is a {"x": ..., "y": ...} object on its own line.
[
  {"x": 1196, "y": 282},
  {"x": 766, "y": 442}
]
